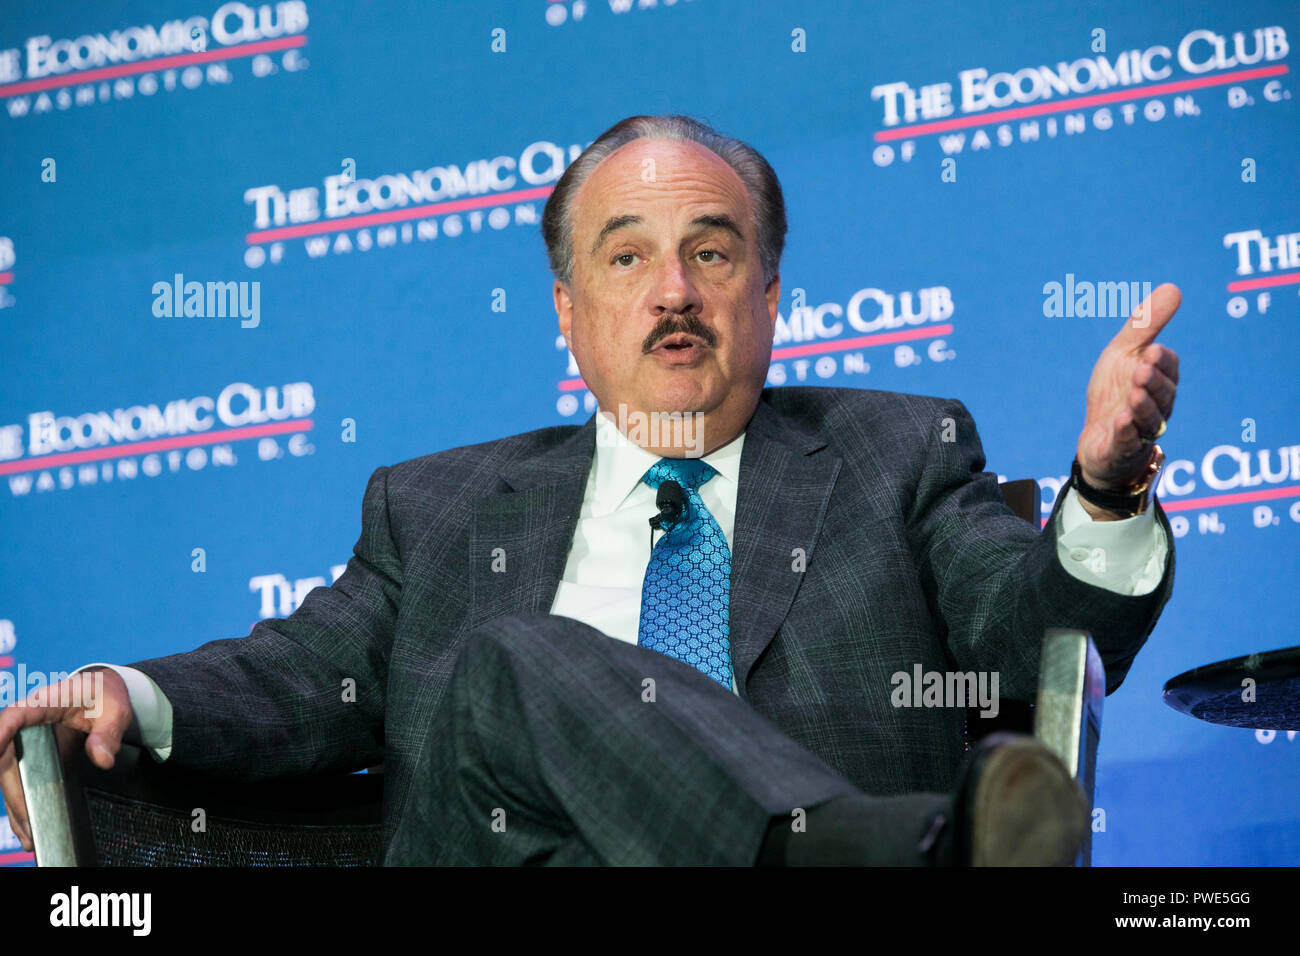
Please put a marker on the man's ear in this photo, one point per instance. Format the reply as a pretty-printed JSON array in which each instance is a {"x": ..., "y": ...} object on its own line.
[
  {"x": 564, "y": 310},
  {"x": 773, "y": 294}
]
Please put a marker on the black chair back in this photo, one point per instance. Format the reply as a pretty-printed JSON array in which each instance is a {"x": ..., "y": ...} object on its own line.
[{"x": 143, "y": 813}]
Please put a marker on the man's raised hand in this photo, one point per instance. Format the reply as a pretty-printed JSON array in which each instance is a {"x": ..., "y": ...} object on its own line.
[{"x": 1130, "y": 396}]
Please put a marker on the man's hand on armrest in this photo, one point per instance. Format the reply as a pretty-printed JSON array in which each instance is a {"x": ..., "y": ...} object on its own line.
[
  {"x": 94, "y": 701},
  {"x": 152, "y": 726}
]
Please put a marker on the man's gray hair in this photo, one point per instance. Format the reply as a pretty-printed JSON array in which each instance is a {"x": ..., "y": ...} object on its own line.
[{"x": 759, "y": 179}]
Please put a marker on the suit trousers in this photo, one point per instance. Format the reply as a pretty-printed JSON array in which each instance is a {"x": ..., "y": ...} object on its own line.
[{"x": 557, "y": 744}]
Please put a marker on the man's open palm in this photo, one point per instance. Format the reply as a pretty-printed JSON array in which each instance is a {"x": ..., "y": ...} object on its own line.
[{"x": 1130, "y": 395}]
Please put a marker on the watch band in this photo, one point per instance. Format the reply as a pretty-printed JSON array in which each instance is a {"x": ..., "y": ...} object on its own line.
[{"x": 1125, "y": 503}]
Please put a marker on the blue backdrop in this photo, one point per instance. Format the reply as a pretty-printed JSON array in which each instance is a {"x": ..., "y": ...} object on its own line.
[{"x": 374, "y": 174}]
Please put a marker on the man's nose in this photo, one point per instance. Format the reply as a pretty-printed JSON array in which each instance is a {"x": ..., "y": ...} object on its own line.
[{"x": 674, "y": 290}]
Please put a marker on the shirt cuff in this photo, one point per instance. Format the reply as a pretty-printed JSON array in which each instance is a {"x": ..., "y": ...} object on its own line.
[
  {"x": 1125, "y": 556},
  {"x": 153, "y": 711}
]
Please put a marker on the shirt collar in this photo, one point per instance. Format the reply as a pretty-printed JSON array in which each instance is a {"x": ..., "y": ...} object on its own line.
[{"x": 620, "y": 464}]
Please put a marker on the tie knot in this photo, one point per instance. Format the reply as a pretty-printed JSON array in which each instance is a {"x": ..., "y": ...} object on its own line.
[{"x": 690, "y": 473}]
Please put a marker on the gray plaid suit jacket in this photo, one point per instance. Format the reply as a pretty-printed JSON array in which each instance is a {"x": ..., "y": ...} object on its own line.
[{"x": 911, "y": 558}]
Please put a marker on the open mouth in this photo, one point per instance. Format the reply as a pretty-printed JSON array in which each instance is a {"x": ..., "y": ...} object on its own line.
[{"x": 679, "y": 342}]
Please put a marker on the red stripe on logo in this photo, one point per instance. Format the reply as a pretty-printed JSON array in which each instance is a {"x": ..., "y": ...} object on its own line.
[
  {"x": 153, "y": 445},
  {"x": 148, "y": 66}
]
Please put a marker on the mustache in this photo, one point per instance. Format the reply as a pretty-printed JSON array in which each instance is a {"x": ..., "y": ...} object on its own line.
[{"x": 672, "y": 323}]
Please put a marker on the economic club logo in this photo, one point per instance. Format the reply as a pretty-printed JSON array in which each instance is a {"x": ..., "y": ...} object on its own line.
[
  {"x": 59, "y": 452},
  {"x": 1068, "y": 97},
  {"x": 355, "y": 211},
  {"x": 48, "y": 74}
]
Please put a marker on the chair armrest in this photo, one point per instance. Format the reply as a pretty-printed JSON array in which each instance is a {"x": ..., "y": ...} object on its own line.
[
  {"x": 1067, "y": 718},
  {"x": 49, "y": 816}
]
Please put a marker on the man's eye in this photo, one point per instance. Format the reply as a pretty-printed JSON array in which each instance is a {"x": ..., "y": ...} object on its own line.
[{"x": 709, "y": 252}]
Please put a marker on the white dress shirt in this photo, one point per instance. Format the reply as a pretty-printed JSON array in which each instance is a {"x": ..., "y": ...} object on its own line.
[{"x": 601, "y": 585}]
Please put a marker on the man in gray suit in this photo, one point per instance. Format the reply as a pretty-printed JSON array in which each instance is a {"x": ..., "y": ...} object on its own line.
[{"x": 676, "y": 634}]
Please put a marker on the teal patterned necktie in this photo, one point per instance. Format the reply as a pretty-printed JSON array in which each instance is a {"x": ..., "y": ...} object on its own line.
[{"x": 686, "y": 595}]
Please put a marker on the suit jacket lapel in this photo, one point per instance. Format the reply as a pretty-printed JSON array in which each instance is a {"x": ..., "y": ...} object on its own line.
[
  {"x": 780, "y": 504},
  {"x": 520, "y": 537}
]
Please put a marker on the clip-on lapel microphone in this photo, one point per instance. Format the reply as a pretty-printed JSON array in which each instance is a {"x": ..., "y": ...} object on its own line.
[{"x": 671, "y": 502}]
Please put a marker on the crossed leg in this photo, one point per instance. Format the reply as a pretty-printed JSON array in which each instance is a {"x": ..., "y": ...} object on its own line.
[{"x": 558, "y": 744}]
